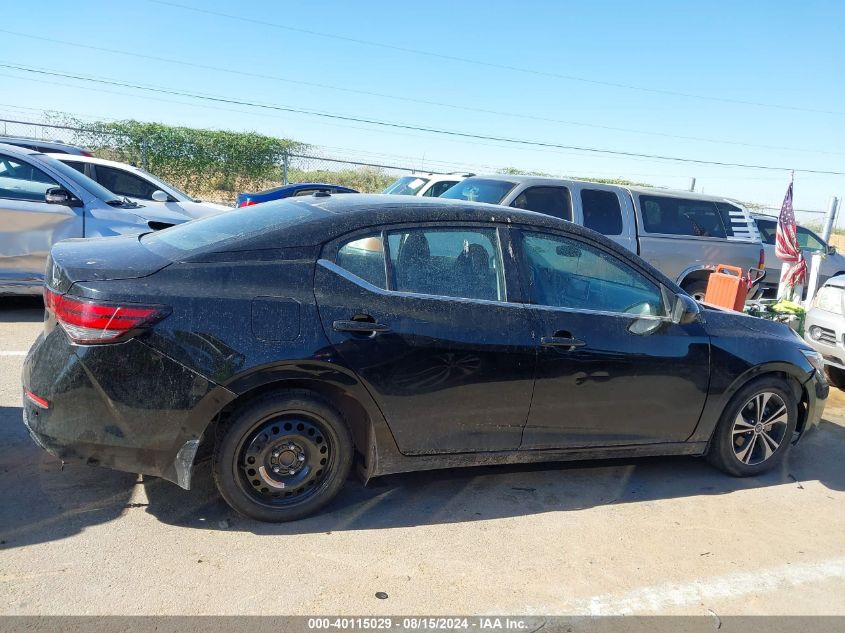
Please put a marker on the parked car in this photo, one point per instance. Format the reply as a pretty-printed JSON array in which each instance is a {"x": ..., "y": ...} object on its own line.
[
  {"x": 40, "y": 145},
  {"x": 43, "y": 200},
  {"x": 832, "y": 263},
  {"x": 288, "y": 340},
  {"x": 140, "y": 185},
  {"x": 683, "y": 234},
  {"x": 288, "y": 191},
  {"x": 824, "y": 328},
  {"x": 427, "y": 185}
]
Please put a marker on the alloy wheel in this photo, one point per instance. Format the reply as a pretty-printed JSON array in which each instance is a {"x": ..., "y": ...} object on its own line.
[{"x": 759, "y": 428}]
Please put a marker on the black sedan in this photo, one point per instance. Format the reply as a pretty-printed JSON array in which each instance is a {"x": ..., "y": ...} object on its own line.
[{"x": 287, "y": 341}]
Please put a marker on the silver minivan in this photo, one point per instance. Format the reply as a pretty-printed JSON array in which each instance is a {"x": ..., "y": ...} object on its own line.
[
  {"x": 42, "y": 201},
  {"x": 683, "y": 234}
]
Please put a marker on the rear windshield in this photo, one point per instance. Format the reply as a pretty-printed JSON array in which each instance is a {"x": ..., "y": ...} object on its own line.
[
  {"x": 480, "y": 190},
  {"x": 216, "y": 232}
]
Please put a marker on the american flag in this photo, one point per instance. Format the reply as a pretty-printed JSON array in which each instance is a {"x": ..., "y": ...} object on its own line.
[{"x": 786, "y": 243}]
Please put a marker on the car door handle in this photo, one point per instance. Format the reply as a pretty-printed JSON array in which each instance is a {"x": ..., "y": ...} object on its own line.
[
  {"x": 562, "y": 341},
  {"x": 359, "y": 327}
]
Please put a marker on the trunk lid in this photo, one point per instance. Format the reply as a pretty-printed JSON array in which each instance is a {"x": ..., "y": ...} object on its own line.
[{"x": 100, "y": 259}]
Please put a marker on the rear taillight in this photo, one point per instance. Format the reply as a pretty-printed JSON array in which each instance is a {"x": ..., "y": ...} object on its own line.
[
  {"x": 761, "y": 262},
  {"x": 89, "y": 322},
  {"x": 86, "y": 153},
  {"x": 247, "y": 203}
]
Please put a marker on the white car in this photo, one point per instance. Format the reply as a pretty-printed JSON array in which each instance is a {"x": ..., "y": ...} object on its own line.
[
  {"x": 428, "y": 185},
  {"x": 137, "y": 184}
]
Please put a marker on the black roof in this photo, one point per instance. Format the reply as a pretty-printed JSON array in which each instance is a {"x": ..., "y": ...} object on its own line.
[
  {"x": 334, "y": 215},
  {"x": 314, "y": 220}
]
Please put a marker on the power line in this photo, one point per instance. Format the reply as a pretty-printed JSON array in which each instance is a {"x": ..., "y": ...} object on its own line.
[
  {"x": 408, "y": 126},
  {"x": 489, "y": 64},
  {"x": 394, "y": 97}
]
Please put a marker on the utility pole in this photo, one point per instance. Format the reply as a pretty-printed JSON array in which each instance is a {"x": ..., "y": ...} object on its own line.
[
  {"x": 692, "y": 183},
  {"x": 285, "y": 168},
  {"x": 830, "y": 218}
]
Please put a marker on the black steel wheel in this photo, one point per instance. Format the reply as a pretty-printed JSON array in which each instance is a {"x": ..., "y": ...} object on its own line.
[{"x": 283, "y": 456}]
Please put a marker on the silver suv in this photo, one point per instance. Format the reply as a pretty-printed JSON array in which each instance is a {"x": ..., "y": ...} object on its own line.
[
  {"x": 824, "y": 328},
  {"x": 683, "y": 234}
]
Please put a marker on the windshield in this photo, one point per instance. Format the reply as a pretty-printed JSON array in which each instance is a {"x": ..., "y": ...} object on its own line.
[
  {"x": 480, "y": 190},
  {"x": 92, "y": 187},
  {"x": 406, "y": 186},
  {"x": 217, "y": 231}
]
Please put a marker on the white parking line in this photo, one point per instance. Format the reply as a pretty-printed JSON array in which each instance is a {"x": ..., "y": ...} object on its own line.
[
  {"x": 662, "y": 598},
  {"x": 13, "y": 353}
]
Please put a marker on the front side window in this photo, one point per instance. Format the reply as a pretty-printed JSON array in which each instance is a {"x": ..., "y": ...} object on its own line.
[
  {"x": 808, "y": 240},
  {"x": 124, "y": 183},
  {"x": 567, "y": 273},
  {"x": 676, "y": 216},
  {"x": 602, "y": 212},
  {"x": 22, "y": 181},
  {"x": 553, "y": 201},
  {"x": 80, "y": 167},
  {"x": 364, "y": 257},
  {"x": 453, "y": 262}
]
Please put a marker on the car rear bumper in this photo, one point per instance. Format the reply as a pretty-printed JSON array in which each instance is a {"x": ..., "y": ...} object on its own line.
[{"x": 125, "y": 406}]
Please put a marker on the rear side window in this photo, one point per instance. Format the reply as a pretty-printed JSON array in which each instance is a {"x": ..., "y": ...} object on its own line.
[
  {"x": 676, "y": 216},
  {"x": 124, "y": 183},
  {"x": 458, "y": 262},
  {"x": 554, "y": 201},
  {"x": 602, "y": 212},
  {"x": 480, "y": 190},
  {"x": 768, "y": 230},
  {"x": 80, "y": 167},
  {"x": 364, "y": 257}
]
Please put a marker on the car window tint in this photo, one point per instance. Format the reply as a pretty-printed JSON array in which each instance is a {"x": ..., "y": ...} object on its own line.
[
  {"x": 807, "y": 240},
  {"x": 480, "y": 190},
  {"x": 80, "y": 167},
  {"x": 554, "y": 201},
  {"x": 676, "y": 216},
  {"x": 566, "y": 273},
  {"x": 364, "y": 257},
  {"x": 459, "y": 262},
  {"x": 602, "y": 212},
  {"x": 124, "y": 183},
  {"x": 439, "y": 187},
  {"x": 22, "y": 181},
  {"x": 305, "y": 192},
  {"x": 768, "y": 231},
  {"x": 731, "y": 216}
]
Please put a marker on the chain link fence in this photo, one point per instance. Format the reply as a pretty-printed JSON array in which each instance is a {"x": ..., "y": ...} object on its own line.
[{"x": 314, "y": 165}]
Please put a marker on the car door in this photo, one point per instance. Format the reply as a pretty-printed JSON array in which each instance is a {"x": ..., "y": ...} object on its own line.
[
  {"x": 612, "y": 368},
  {"x": 30, "y": 226},
  {"x": 421, "y": 315}
]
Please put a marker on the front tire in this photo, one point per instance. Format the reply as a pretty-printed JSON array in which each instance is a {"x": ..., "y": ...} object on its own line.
[
  {"x": 283, "y": 456},
  {"x": 756, "y": 428},
  {"x": 835, "y": 376},
  {"x": 696, "y": 289}
]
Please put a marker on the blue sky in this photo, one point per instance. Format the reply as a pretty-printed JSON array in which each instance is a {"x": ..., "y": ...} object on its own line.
[{"x": 772, "y": 53}]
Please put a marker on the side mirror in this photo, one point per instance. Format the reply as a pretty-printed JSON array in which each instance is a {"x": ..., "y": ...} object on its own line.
[
  {"x": 59, "y": 195},
  {"x": 831, "y": 249},
  {"x": 160, "y": 196},
  {"x": 686, "y": 310}
]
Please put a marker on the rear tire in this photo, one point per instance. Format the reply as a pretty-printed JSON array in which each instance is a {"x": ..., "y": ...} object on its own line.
[
  {"x": 756, "y": 428},
  {"x": 835, "y": 376},
  {"x": 283, "y": 456},
  {"x": 696, "y": 289}
]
